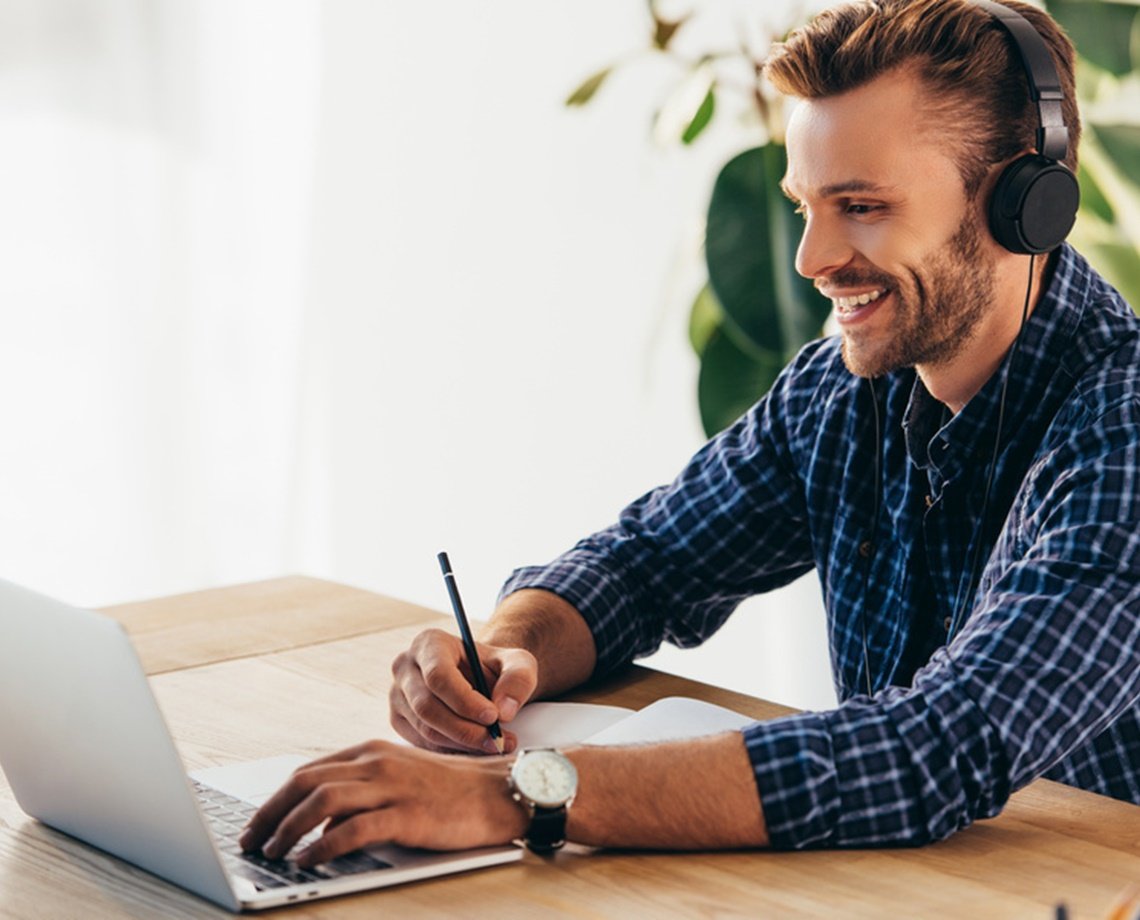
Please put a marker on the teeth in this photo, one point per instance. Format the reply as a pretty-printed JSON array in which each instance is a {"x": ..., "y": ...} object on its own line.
[{"x": 859, "y": 300}]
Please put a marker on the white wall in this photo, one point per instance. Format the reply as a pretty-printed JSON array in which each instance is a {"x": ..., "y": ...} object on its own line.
[{"x": 327, "y": 288}]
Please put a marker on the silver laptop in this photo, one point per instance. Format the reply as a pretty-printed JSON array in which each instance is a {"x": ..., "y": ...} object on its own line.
[{"x": 85, "y": 749}]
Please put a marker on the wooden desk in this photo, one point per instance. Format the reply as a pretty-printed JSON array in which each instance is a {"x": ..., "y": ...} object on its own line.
[{"x": 301, "y": 665}]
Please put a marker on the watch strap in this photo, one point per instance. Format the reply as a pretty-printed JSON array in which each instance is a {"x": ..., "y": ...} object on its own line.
[{"x": 547, "y": 831}]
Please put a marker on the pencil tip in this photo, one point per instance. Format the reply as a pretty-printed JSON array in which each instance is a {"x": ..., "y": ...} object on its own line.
[{"x": 501, "y": 745}]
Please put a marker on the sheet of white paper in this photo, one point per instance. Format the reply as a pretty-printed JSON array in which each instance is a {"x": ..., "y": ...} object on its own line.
[
  {"x": 537, "y": 725},
  {"x": 561, "y": 724},
  {"x": 670, "y": 719}
]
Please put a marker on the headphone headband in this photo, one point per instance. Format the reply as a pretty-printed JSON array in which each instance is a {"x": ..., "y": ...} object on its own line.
[
  {"x": 1034, "y": 202},
  {"x": 1041, "y": 74}
]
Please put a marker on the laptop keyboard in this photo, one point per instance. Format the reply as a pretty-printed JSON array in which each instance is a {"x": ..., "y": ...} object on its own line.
[{"x": 227, "y": 818}]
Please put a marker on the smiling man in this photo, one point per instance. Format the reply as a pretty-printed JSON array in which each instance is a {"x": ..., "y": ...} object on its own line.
[
  {"x": 921, "y": 288},
  {"x": 960, "y": 465}
]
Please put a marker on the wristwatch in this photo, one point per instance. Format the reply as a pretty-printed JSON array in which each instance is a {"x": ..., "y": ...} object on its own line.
[{"x": 544, "y": 782}]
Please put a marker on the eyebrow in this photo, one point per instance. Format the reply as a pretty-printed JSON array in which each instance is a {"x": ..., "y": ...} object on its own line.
[{"x": 842, "y": 188}]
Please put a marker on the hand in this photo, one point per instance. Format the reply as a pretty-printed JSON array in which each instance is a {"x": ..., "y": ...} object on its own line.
[
  {"x": 433, "y": 704},
  {"x": 378, "y": 792}
]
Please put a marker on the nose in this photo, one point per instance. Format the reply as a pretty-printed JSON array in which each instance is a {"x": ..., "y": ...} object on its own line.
[{"x": 822, "y": 250}]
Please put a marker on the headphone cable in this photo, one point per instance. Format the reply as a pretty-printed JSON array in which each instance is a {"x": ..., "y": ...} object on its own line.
[{"x": 977, "y": 550}]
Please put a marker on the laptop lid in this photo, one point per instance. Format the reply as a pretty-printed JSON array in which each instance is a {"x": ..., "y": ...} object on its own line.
[
  {"x": 87, "y": 751},
  {"x": 85, "y": 748}
]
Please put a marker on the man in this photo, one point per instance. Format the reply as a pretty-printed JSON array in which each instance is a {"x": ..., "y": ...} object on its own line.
[{"x": 984, "y": 613}]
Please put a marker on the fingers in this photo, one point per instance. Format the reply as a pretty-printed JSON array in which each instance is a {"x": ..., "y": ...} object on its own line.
[
  {"x": 431, "y": 740},
  {"x": 346, "y": 835},
  {"x": 441, "y": 660},
  {"x": 433, "y": 704},
  {"x": 427, "y": 723},
  {"x": 515, "y": 681},
  {"x": 431, "y": 691},
  {"x": 264, "y": 822},
  {"x": 380, "y": 792},
  {"x": 340, "y": 784},
  {"x": 329, "y": 799}
]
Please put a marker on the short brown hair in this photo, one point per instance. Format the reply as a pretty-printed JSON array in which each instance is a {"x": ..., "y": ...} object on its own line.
[{"x": 967, "y": 60}]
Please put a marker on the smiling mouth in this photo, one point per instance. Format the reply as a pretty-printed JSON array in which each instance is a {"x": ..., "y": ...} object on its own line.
[{"x": 851, "y": 304}]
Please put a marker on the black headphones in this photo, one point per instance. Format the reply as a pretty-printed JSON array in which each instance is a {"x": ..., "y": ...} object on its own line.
[{"x": 1034, "y": 203}]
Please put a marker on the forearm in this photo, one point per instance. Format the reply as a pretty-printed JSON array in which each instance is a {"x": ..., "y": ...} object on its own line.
[
  {"x": 696, "y": 794},
  {"x": 552, "y": 630}
]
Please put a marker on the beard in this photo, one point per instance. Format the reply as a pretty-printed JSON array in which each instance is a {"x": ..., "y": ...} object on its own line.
[{"x": 937, "y": 310}]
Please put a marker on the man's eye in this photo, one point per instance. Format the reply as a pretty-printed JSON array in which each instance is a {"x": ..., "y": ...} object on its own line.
[{"x": 861, "y": 208}]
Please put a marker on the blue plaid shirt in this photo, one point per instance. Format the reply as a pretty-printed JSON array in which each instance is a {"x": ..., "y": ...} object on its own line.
[{"x": 1043, "y": 676}]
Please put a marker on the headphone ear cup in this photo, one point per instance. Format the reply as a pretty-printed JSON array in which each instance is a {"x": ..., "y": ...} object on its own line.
[{"x": 1034, "y": 205}]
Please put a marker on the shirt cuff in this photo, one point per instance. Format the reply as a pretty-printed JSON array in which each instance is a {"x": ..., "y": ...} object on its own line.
[
  {"x": 795, "y": 774},
  {"x": 600, "y": 600}
]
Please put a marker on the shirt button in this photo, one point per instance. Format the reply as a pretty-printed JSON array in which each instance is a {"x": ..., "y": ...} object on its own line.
[
  {"x": 865, "y": 549},
  {"x": 946, "y": 624}
]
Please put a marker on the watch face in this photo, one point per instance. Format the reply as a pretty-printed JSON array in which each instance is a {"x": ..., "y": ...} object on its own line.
[{"x": 547, "y": 778}]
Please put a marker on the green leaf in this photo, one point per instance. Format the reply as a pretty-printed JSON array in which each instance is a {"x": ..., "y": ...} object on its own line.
[
  {"x": 731, "y": 380},
  {"x": 750, "y": 242},
  {"x": 585, "y": 92},
  {"x": 1122, "y": 144},
  {"x": 688, "y": 108},
  {"x": 1120, "y": 264},
  {"x": 701, "y": 119},
  {"x": 705, "y": 317},
  {"x": 803, "y": 310},
  {"x": 1102, "y": 32},
  {"x": 1093, "y": 199}
]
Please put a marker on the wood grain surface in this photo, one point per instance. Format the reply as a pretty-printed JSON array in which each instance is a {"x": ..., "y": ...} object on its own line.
[{"x": 302, "y": 665}]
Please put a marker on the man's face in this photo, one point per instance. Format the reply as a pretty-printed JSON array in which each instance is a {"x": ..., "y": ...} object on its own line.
[{"x": 889, "y": 235}]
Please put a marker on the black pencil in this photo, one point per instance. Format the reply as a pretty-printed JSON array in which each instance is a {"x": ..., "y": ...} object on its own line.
[{"x": 468, "y": 643}]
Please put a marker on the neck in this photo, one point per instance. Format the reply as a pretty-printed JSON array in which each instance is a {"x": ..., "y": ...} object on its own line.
[{"x": 956, "y": 381}]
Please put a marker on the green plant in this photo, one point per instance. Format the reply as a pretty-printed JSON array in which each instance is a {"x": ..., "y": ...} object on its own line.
[
  {"x": 1107, "y": 37},
  {"x": 755, "y": 312}
]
